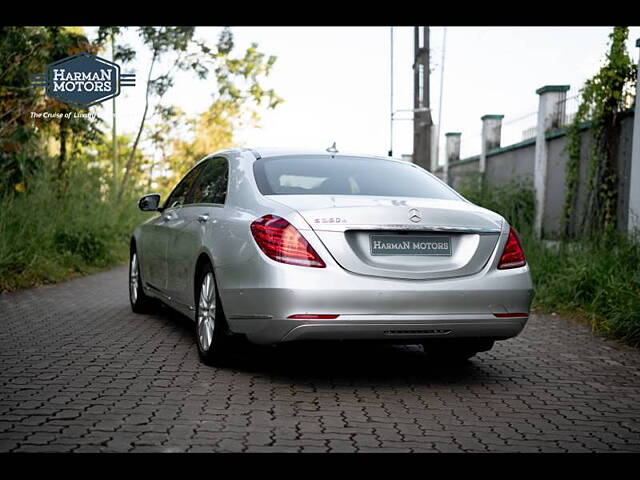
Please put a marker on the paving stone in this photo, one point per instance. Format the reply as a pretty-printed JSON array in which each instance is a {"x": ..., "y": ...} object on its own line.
[{"x": 114, "y": 381}]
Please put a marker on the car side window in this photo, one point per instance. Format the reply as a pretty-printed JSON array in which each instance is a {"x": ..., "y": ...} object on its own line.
[
  {"x": 211, "y": 186},
  {"x": 180, "y": 194}
]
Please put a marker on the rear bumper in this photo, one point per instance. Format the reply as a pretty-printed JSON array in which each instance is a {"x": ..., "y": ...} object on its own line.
[
  {"x": 260, "y": 295},
  {"x": 397, "y": 328}
]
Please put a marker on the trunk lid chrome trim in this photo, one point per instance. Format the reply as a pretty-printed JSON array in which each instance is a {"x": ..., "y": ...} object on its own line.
[{"x": 413, "y": 228}]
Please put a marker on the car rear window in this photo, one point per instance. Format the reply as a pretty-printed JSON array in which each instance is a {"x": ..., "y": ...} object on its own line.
[{"x": 325, "y": 175}]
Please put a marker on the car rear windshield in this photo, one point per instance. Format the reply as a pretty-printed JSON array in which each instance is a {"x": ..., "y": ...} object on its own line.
[{"x": 325, "y": 175}]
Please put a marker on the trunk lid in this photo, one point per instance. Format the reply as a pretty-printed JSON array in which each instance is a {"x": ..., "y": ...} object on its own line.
[{"x": 346, "y": 223}]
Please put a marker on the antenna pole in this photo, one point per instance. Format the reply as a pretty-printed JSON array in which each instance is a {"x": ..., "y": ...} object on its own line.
[
  {"x": 391, "y": 100},
  {"x": 444, "y": 43},
  {"x": 422, "y": 122}
]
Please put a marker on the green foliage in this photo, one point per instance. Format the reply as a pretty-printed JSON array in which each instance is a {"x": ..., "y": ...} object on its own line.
[
  {"x": 90, "y": 246},
  {"x": 64, "y": 208},
  {"x": 211, "y": 130},
  {"x": 603, "y": 97},
  {"x": 237, "y": 79},
  {"x": 514, "y": 201},
  {"x": 46, "y": 236},
  {"x": 598, "y": 279},
  {"x": 25, "y": 51}
]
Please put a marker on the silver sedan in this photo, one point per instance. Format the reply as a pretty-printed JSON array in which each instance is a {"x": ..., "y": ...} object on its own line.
[{"x": 280, "y": 246}]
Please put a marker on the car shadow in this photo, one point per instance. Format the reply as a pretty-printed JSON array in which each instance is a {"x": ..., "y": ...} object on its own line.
[
  {"x": 352, "y": 363},
  {"x": 338, "y": 362}
]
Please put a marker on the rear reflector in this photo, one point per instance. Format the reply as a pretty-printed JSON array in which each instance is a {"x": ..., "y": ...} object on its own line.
[
  {"x": 513, "y": 254},
  {"x": 282, "y": 242},
  {"x": 511, "y": 315},
  {"x": 311, "y": 316}
]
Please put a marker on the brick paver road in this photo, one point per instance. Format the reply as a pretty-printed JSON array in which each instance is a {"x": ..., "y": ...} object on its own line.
[{"x": 80, "y": 372}]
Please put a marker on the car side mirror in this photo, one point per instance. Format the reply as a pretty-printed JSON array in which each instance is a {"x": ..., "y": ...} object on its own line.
[{"x": 149, "y": 203}]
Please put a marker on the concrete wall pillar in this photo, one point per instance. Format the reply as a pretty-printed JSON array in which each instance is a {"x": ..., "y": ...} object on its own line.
[
  {"x": 634, "y": 177},
  {"x": 550, "y": 115},
  {"x": 491, "y": 132},
  {"x": 452, "y": 152}
]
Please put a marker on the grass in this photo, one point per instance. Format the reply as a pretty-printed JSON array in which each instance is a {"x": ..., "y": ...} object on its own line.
[
  {"x": 47, "y": 236},
  {"x": 595, "y": 279}
]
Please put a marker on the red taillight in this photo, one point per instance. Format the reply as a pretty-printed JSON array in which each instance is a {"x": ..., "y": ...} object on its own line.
[
  {"x": 282, "y": 242},
  {"x": 312, "y": 316},
  {"x": 513, "y": 254}
]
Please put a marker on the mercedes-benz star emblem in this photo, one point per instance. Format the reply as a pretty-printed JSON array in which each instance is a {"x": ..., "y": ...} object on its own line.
[{"x": 414, "y": 215}]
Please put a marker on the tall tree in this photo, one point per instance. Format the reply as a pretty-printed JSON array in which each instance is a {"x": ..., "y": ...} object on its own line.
[
  {"x": 237, "y": 79},
  {"x": 26, "y": 51}
]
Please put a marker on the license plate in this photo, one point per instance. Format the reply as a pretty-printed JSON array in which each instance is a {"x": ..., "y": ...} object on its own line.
[{"x": 410, "y": 245}]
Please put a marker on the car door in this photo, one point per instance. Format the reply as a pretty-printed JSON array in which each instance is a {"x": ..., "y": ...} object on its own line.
[
  {"x": 160, "y": 231},
  {"x": 199, "y": 217}
]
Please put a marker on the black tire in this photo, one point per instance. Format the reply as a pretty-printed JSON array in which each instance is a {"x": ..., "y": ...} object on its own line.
[
  {"x": 140, "y": 303},
  {"x": 217, "y": 351},
  {"x": 456, "y": 349}
]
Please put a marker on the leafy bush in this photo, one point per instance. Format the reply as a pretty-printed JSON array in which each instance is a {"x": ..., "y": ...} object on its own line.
[
  {"x": 51, "y": 230},
  {"x": 90, "y": 246},
  {"x": 596, "y": 278}
]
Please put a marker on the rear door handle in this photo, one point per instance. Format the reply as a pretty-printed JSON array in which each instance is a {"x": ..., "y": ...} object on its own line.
[{"x": 203, "y": 218}]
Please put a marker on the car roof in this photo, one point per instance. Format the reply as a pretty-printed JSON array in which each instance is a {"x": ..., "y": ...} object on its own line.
[{"x": 267, "y": 152}]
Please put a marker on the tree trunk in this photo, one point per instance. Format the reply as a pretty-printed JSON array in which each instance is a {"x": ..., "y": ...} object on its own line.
[
  {"x": 62, "y": 159},
  {"x": 150, "y": 180},
  {"x": 132, "y": 153}
]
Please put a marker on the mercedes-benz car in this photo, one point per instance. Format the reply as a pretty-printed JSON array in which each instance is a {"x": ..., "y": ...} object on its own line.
[{"x": 281, "y": 246}]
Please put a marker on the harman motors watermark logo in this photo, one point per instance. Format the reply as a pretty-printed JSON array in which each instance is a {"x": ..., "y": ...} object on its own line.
[{"x": 83, "y": 80}]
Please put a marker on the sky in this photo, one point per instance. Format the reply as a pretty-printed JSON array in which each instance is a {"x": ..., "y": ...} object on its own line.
[{"x": 335, "y": 82}]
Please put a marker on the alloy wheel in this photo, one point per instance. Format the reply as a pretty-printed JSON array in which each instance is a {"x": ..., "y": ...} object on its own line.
[
  {"x": 206, "y": 312},
  {"x": 134, "y": 279}
]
